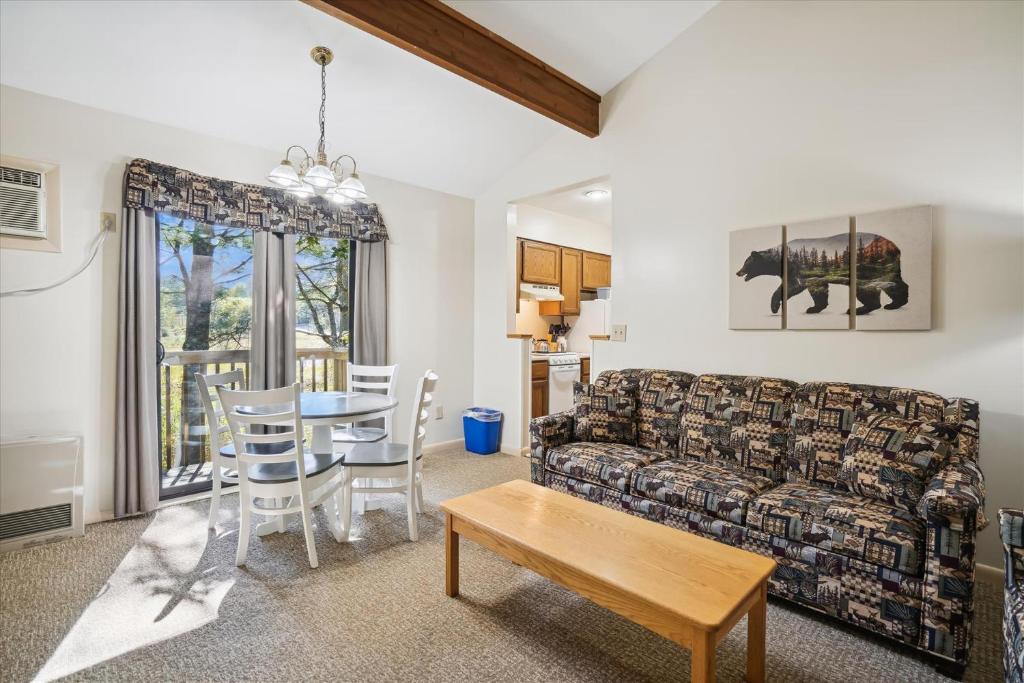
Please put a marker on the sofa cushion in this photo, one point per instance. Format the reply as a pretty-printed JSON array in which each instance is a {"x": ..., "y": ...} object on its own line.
[
  {"x": 702, "y": 487},
  {"x": 892, "y": 459},
  {"x": 739, "y": 422},
  {"x": 608, "y": 464},
  {"x": 661, "y": 397},
  {"x": 824, "y": 414},
  {"x": 843, "y": 522},
  {"x": 604, "y": 415}
]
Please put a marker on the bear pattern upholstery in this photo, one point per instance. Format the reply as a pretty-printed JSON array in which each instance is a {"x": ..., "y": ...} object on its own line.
[
  {"x": 824, "y": 414},
  {"x": 842, "y": 522},
  {"x": 918, "y": 585},
  {"x": 1011, "y": 530},
  {"x": 661, "y": 397},
  {"x": 718, "y": 491},
  {"x": 740, "y": 422},
  {"x": 607, "y": 464},
  {"x": 892, "y": 458}
]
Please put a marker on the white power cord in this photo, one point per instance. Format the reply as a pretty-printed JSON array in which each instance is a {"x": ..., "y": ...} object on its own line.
[{"x": 97, "y": 242}]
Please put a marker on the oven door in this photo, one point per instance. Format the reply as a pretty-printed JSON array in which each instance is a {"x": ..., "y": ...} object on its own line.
[{"x": 560, "y": 386}]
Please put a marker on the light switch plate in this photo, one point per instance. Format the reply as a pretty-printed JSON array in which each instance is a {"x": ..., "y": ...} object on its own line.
[
  {"x": 439, "y": 413},
  {"x": 619, "y": 333}
]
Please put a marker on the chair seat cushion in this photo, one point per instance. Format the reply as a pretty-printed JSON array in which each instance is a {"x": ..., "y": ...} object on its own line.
[
  {"x": 720, "y": 491},
  {"x": 377, "y": 455},
  {"x": 842, "y": 522},
  {"x": 228, "y": 450},
  {"x": 607, "y": 464},
  {"x": 282, "y": 472}
]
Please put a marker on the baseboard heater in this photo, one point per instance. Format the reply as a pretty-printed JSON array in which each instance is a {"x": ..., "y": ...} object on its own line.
[{"x": 40, "y": 490}]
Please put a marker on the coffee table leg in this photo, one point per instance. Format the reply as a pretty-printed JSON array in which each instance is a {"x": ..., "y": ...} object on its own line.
[
  {"x": 451, "y": 558},
  {"x": 702, "y": 657},
  {"x": 756, "y": 633}
]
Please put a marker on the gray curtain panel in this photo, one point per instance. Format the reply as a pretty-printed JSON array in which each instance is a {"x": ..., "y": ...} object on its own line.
[
  {"x": 136, "y": 463},
  {"x": 370, "y": 314},
  {"x": 272, "y": 344}
]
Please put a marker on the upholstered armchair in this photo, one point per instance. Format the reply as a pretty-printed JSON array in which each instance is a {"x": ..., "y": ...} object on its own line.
[{"x": 1011, "y": 528}]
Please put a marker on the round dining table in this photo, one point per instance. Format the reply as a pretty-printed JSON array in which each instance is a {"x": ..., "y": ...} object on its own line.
[{"x": 322, "y": 410}]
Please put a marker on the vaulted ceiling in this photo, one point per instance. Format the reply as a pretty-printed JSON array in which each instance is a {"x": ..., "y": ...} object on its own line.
[{"x": 241, "y": 71}]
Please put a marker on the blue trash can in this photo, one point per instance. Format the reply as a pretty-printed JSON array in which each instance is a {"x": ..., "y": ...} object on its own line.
[{"x": 482, "y": 430}]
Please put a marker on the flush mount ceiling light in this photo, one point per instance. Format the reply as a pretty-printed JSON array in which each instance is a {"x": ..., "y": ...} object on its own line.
[
  {"x": 596, "y": 194},
  {"x": 316, "y": 176}
]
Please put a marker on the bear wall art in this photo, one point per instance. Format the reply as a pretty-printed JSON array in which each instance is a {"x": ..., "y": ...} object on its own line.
[{"x": 872, "y": 272}]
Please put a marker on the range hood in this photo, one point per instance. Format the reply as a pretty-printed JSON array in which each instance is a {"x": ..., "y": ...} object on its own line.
[{"x": 540, "y": 292}]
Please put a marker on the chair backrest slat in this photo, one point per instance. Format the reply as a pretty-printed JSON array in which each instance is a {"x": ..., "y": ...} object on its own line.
[
  {"x": 372, "y": 377},
  {"x": 215, "y": 419},
  {"x": 271, "y": 409},
  {"x": 423, "y": 399}
]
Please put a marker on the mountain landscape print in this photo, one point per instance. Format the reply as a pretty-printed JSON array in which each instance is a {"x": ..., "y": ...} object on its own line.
[{"x": 818, "y": 267}]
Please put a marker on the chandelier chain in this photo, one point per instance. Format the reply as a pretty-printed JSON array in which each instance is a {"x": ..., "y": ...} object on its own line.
[{"x": 323, "y": 106}]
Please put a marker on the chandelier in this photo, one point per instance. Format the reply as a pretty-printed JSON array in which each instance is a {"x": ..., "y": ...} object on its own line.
[{"x": 316, "y": 176}]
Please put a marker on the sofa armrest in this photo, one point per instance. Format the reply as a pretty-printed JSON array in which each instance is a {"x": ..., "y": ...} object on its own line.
[
  {"x": 546, "y": 433},
  {"x": 952, "y": 507},
  {"x": 1011, "y": 530},
  {"x": 957, "y": 495}
]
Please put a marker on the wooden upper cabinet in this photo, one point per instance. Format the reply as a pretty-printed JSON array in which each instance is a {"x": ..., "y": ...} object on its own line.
[
  {"x": 597, "y": 270},
  {"x": 572, "y": 272},
  {"x": 541, "y": 263}
]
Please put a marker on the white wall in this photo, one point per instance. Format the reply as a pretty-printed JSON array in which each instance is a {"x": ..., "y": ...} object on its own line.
[
  {"x": 769, "y": 112},
  {"x": 57, "y": 349},
  {"x": 544, "y": 225}
]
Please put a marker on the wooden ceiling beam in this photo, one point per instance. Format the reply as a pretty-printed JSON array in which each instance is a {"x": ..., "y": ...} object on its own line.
[{"x": 449, "y": 39}]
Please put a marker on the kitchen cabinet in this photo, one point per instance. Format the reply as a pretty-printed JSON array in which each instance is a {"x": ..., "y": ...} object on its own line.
[
  {"x": 585, "y": 370},
  {"x": 539, "y": 388},
  {"x": 541, "y": 263},
  {"x": 572, "y": 272},
  {"x": 597, "y": 270}
]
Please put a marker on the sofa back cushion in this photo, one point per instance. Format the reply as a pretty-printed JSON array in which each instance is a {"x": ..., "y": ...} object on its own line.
[
  {"x": 661, "y": 396},
  {"x": 605, "y": 414},
  {"x": 739, "y": 422},
  {"x": 892, "y": 459},
  {"x": 824, "y": 414}
]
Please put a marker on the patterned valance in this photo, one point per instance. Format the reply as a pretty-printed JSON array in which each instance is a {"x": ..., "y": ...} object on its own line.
[{"x": 183, "y": 194}]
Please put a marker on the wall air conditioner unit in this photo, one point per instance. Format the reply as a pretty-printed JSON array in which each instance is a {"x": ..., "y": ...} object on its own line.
[
  {"x": 22, "y": 202},
  {"x": 40, "y": 490}
]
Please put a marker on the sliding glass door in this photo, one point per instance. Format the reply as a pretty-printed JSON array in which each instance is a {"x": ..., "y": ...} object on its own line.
[
  {"x": 204, "y": 304},
  {"x": 204, "y": 297}
]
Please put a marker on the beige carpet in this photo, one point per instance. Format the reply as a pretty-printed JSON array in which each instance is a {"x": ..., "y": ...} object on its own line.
[{"x": 158, "y": 598}]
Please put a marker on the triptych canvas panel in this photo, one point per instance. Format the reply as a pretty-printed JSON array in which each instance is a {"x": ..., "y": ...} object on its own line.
[{"x": 870, "y": 272}]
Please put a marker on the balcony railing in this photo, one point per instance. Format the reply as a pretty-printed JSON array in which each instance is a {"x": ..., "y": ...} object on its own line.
[{"x": 185, "y": 453}]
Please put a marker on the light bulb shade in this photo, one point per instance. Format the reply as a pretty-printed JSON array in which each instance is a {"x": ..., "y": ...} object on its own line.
[
  {"x": 337, "y": 197},
  {"x": 353, "y": 188},
  {"x": 303, "y": 190},
  {"x": 284, "y": 175},
  {"x": 321, "y": 177}
]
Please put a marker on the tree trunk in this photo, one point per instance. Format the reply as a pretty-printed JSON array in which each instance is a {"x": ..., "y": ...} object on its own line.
[{"x": 198, "y": 308}]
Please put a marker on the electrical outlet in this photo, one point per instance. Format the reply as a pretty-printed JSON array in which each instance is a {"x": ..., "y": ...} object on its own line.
[
  {"x": 619, "y": 333},
  {"x": 108, "y": 222},
  {"x": 439, "y": 413}
]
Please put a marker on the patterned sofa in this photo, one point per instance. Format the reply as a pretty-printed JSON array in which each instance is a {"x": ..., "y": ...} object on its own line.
[
  {"x": 753, "y": 462},
  {"x": 1011, "y": 528}
]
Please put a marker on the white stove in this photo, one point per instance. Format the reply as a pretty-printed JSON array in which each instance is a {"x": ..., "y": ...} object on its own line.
[
  {"x": 557, "y": 357},
  {"x": 563, "y": 373}
]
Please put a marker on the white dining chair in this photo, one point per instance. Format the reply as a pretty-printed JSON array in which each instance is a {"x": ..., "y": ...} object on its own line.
[
  {"x": 304, "y": 478},
  {"x": 400, "y": 464},
  {"x": 381, "y": 379},
  {"x": 222, "y": 471}
]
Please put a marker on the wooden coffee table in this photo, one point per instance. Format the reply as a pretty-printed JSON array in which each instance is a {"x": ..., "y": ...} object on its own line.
[{"x": 688, "y": 589}]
